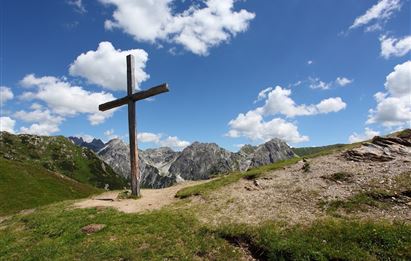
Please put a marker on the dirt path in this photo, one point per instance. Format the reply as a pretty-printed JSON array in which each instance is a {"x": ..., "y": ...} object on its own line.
[{"x": 151, "y": 199}]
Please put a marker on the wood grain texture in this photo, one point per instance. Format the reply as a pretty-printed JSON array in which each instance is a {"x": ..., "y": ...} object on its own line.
[{"x": 134, "y": 170}]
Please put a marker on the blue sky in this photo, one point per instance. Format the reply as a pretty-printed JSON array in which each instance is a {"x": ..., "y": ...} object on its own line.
[{"x": 310, "y": 72}]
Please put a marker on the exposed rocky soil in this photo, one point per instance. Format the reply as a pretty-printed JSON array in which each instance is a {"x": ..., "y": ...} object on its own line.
[{"x": 297, "y": 196}]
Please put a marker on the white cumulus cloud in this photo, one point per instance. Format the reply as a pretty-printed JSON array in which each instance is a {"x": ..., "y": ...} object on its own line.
[
  {"x": 254, "y": 126},
  {"x": 377, "y": 14},
  {"x": 7, "y": 124},
  {"x": 395, "y": 47},
  {"x": 162, "y": 140},
  {"x": 44, "y": 122},
  {"x": 368, "y": 134},
  {"x": 38, "y": 115},
  {"x": 43, "y": 129},
  {"x": 263, "y": 94},
  {"x": 5, "y": 95},
  {"x": 174, "y": 142},
  {"x": 394, "y": 105},
  {"x": 316, "y": 83},
  {"x": 279, "y": 102},
  {"x": 330, "y": 105},
  {"x": 147, "y": 137},
  {"x": 343, "y": 81},
  {"x": 65, "y": 99},
  {"x": 197, "y": 28},
  {"x": 107, "y": 66}
]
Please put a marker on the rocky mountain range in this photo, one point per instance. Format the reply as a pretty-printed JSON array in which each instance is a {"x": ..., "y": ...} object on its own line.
[
  {"x": 116, "y": 153},
  {"x": 94, "y": 145},
  {"x": 163, "y": 167}
]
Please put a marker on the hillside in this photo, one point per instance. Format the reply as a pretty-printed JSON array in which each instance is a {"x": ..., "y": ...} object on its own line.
[
  {"x": 346, "y": 203},
  {"x": 37, "y": 170},
  {"x": 58, "y": 154},
  {"x": 26, "y": 186}
]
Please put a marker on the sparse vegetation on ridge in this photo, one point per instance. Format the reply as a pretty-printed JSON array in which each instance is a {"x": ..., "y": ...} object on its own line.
[
  {"x": 378, "y": 198},
  {"x": 339, "y": 177},
  {"x": 305, "y": 151}
]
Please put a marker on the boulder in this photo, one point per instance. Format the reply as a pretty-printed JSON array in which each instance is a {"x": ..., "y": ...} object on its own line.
[{"x": 381, "y": 149}]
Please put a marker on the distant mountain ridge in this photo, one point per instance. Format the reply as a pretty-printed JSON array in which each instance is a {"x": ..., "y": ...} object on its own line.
[
  {"x": 95, "y": 145},
  {"x": 163, "y": 167}
]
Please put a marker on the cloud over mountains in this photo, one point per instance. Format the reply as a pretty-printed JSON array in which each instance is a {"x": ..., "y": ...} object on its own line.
[{"x": 277, "y": 102}]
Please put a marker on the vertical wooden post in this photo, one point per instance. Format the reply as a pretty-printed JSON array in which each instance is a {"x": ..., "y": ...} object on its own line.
[{"x": 135, "y": 171}]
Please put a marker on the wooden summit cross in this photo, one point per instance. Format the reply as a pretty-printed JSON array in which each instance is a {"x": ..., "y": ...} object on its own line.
[{"x": 131, "y": 99}]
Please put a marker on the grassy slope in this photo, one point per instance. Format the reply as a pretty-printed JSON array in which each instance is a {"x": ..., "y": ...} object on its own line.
[
  {"x": 54, "y": 233},
  {"x": 24, "y": 186},
  {"x": 58, "y": 154},
  {"x": 329, "y": 239}
]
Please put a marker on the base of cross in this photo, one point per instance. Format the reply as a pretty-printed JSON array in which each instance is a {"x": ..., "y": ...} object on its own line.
[{"x": 131, "y": 100}]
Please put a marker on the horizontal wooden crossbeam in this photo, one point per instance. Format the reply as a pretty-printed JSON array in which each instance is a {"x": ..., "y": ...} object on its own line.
[{"x": 134, "y": 97}]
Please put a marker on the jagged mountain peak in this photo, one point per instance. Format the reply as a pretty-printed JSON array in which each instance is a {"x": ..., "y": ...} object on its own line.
[
  {"x": 203, "y": 146},
  {"x": 160, "y": 150},
  {"x": 271, "y": 151},
  {"x": 95, "y": 144},
  {"x": 115, "y": 141},
  {"x": 247, "y": 149}
]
